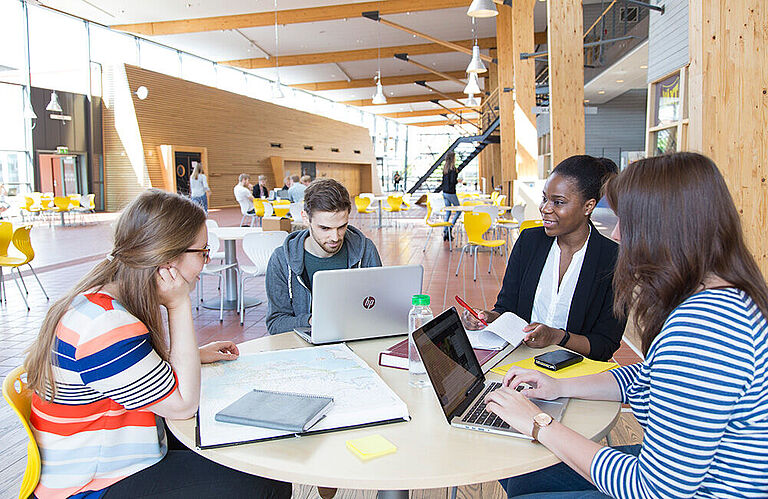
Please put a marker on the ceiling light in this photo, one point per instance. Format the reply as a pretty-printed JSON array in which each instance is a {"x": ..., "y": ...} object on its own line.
[
  {"x": 586, "y": 101},
  {"x": 277, "y": 90},
  {"x": 54, "y": 105},
  {"x": 482, "y": 8},
  {"x": 476, "y": 64},
  {"x": 644, "y": 66},
  {"x": 472, "y": 101},
  {"x": 142, "y": 92},
  {"x": 379, "y": 97},
  {"x": 601, "y": 92},
  {"x": 619, "y": 81},
  {"x": 473, "y": 87}
]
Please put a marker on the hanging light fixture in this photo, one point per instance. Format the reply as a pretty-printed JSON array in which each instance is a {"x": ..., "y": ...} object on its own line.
[
  {"x": 476, "y": 64},
  {"x": 54, "y": 105},
  {"x": 29, "y": 112},
  {"x": 378, "y": 97},
  {"x": 482, "y": 8},
  {"x": 277, "y": 91},
  {"x": 473, "y": 87},
  {"x": 472, "y": 101}
]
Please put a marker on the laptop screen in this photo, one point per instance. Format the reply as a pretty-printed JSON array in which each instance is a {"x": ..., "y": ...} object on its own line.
[{"x": 448, "y": 358}]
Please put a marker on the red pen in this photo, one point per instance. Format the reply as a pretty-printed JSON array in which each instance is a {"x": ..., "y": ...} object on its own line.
[{"x": 470, "y": 310}]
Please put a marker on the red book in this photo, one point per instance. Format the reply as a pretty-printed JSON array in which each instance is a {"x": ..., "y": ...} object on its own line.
[{"x": 397, "y": 355}]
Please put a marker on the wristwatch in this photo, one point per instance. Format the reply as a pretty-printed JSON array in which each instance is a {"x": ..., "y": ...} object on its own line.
[
  {"x": 565, "y": 339},
  {"x": 540, "y": 420}
]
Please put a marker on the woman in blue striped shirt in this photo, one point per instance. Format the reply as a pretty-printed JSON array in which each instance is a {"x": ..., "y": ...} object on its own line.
[{"x": 700, "y": 303}]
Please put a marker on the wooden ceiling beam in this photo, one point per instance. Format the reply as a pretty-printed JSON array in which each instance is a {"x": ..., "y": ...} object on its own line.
[
  {"x": 404, "y": 100},
  {"x": 427, "y": 112},
  {"x": 432, "y": 123},
  {"x": 369, "y": 82},
  {"x": 352, "y": 55},
  {"x": 290, "y": 16}
]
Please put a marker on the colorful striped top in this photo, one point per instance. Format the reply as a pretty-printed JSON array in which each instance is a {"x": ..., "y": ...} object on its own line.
[
  {"x": 701, "y": 396},
  {"x": 98, "y": 429}
]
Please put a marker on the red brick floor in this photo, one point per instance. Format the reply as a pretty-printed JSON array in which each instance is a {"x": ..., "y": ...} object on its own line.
[{"x": 65, "y": 254}]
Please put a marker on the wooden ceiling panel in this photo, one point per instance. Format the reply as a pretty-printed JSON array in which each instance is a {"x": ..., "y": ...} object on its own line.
[
  {"x": 405, "y": 100},
  {"x": 369, "y": 82}
]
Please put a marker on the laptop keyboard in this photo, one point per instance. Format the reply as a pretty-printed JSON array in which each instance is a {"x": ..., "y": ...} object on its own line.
[{"x": 478, "y": 414}]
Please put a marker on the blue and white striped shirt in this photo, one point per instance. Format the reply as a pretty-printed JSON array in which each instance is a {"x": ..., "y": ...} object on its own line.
[{"x": 701, "y": 396}]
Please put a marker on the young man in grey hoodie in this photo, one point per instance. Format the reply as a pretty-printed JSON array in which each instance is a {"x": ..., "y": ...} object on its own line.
[{"x": 329, "y": 243}]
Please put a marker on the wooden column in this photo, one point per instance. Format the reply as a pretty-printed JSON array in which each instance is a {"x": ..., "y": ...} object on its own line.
[
  {"x": 728, "y": 112},
  {"x": 506, "y": 82},
  {"x": 490, "y": 159},
  {"x": 565, "y": 28},
  {"x": 525, "y": 90}
]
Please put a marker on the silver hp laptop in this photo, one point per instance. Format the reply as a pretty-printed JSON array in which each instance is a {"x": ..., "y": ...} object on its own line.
[
  {"x": 459, "y": 382},
  {"x": 353, "y": 304}
]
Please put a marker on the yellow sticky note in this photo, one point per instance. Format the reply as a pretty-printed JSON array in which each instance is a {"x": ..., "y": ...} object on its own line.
[
  {"x": 370, "y": 447},
  {"x": 583, "y": 368}
]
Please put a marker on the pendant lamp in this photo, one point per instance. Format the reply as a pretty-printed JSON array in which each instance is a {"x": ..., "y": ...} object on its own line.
[
  {"x": 379, "y": 97},
  {"x": 472, "y": 101},
  {"x": 473, "y": 87},
  {"x": 29, "y": 112},
  {"x": 476, "y": 64},
  {"x": 54, "y": 105},
  {"x": 482, "y": 8},
  {"x": 277, "y": 90}
]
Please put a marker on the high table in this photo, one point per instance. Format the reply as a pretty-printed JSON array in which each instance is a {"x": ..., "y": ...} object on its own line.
[
  {"x": 229, "y": 235},
  {"x": 430, "y": 452}
]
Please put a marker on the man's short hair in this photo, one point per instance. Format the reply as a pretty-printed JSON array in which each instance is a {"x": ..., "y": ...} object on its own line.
[
  {"x": 243, "y": 176},
  {"x": 295, "y": 178},
  {"x": 262, "y": 177},
  {"x": 326, "y": 194},
  {"x": 305, "y": 179}
]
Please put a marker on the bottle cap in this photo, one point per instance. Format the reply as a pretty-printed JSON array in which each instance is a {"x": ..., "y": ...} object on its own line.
[{"x": 420, "y": 300}]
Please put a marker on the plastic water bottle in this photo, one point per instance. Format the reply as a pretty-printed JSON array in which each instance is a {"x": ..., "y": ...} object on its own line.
[{"x": 420, "y": 314}]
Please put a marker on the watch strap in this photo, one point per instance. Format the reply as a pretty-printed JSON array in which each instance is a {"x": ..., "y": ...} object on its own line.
[{"x": 565, "y": 339}]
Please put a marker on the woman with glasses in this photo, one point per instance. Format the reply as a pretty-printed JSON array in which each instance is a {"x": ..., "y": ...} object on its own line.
[{"x": 104, "y": 375}]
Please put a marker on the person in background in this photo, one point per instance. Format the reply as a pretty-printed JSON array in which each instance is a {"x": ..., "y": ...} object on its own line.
[
  {"x": 396, "y": 179},
  {"x": 329, "y": 243},
  {"x": 103, "y": 376},
  {"x": 298, "y": 186},
  {"x": 260, "y": 190},
  {"x": 4, "y": 205},
  {"x": 287, "y": 182},
  {"x": 699, "y": 303},
  {"x": 448, "y": 187},
  {"x": 243, "y": 194},
  {"x": 559, "y": 276},
  {"x": 198, "y": 187}
]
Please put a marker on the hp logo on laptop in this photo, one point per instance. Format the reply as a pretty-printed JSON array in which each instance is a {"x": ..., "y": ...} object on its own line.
[{"x": 369, "y": 302}]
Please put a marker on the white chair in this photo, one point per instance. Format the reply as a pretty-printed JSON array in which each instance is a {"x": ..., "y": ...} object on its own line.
[
  {"x": 295, "y": 210},
  {"x": 213, "y": 241},
  {"x": 258, "y": 247},
  {"x": 253, "y": 216}
]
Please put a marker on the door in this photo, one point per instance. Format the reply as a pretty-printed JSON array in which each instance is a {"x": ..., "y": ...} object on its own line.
[
  {"x": 309, "y": 168},
  {"x": 185, "y": 162},
  {"x": 69, "y": 175},
  {"x": 51, "y": 178}
]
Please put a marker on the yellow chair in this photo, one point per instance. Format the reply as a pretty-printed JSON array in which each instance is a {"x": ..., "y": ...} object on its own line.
[
  {"x": 6, "y": 234},
  {"x": 61, "y": 206},
  {"x": 362, "y": 205},
  {"x": 19, "y": 397},
  {"x": 477, "y": 223},
  {"x": 531, "y": 223},
  {"x": 281, "y": 207},
  {"x": 32, "y": 206},
  {"x": 261, "y": 209},
  {"x": 394, "y": 204},
  {"x": 432, "y": 226},
  {"x": 471, "y": 202},
  {"x": 494, "y": 195},
  {"x": 22, "y": 243}
]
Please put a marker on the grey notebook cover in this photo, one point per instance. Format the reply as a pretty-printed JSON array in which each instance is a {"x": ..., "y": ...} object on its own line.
[{"x": 294, "y": 412}]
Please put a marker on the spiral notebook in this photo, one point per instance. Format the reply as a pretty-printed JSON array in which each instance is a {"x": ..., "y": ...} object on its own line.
[{"x": 294, "y": 412}]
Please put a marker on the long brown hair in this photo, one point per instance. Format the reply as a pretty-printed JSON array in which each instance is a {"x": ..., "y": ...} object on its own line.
[
  {"x": 678, "y": 224},
  {"x": 154, "y": 229},
  {"x": 450, "y": 162}
]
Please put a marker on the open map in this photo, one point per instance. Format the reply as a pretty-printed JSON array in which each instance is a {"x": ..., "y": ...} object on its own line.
[{"x": 360, "y": 395}]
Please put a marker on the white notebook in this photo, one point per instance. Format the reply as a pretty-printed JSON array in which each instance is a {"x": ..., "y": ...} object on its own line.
[{"x": 507, "y": 328}]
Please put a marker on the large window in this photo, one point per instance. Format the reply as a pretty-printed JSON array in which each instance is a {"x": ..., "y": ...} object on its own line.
[
  {"x": 667, "y": 121},
  {"x": 160, "y": 59},
  {"x": 13, "y": 60},
  {"x": 14, "y": 167}
]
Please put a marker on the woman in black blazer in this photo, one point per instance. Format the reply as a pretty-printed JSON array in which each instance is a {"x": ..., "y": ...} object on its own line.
[{"x": 570, "y": 195}]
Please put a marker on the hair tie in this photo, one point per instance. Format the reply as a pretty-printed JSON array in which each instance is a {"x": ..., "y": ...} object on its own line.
[{"x": 110, "y": 257}]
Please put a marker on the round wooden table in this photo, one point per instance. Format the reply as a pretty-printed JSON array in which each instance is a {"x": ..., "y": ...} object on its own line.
[
  {"x": 229, "y": 235},
  {"x": 430, "y": 452}
]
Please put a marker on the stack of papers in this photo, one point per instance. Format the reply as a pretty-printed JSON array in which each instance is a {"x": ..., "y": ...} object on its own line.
[
  {"x": 507, "y": 328},
  {"x": 583, "y": 368}
]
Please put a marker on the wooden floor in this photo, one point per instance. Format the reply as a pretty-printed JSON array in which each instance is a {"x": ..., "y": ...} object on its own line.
[{"x": 65, "y": 254}]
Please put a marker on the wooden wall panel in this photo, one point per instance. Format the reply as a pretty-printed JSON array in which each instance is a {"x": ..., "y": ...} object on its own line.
[
  {"x": 506, "y": 83},
  {"x": 526, "y": 150},
  {"x": 729, "y": 104},
  {"x": 237, "y": 131},
  {"x": 566, "y": 78}
]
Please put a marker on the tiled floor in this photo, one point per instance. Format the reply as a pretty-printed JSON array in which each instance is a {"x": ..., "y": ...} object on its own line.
[{"x": 65, "y": 254}]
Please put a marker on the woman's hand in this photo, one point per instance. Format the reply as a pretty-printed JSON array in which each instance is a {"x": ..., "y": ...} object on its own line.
[
  {"x": 541, "y": 385},
  {"x": 472, "y": 324},
  {"x": 513, "y": 407},
  {"x": 172, "y": 288},
  {"x": 540, "y": 335},
  {"x": 218, "y": 350}
]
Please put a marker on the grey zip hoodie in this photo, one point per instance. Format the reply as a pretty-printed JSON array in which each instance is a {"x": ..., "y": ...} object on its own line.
[{"x": 289, "y": 297}]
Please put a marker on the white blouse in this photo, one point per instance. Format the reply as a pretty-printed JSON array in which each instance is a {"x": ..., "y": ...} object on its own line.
[
  {"x": 552, "y": 303},
  {"x": 197, "y": 188}
]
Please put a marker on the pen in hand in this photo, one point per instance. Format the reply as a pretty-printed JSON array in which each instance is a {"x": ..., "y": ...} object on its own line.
[{"x": 470, "y": 310}]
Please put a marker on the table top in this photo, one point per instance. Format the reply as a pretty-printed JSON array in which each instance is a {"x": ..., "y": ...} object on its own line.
[
  {"x": 233, "y": 233},
  {"x": 430, "y": 452}
]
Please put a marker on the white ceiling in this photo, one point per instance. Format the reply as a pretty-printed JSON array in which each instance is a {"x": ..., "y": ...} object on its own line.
[
  {"x": 330, "y": 36},
  {"x": 629, "y": 72}
]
